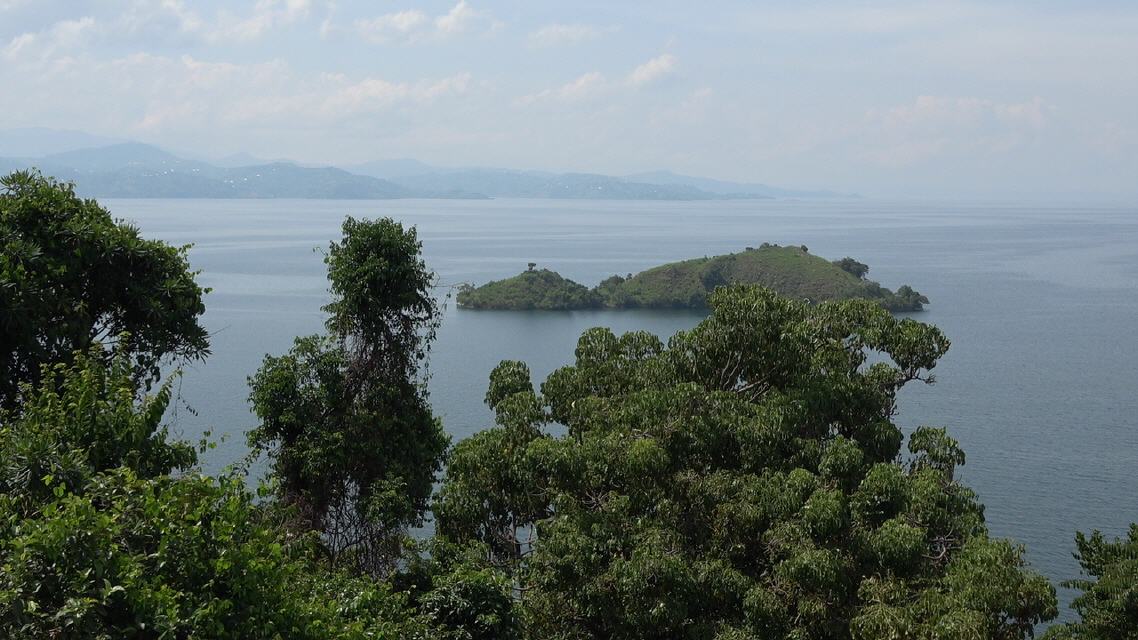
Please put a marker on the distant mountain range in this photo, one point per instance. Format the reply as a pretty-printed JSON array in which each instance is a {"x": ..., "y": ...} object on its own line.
[{"x": 135, "y": 170}]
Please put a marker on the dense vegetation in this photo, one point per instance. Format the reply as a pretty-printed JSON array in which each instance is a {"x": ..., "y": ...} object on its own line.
[
  {"x": 743, "y": 480},
  {"x": 790, "y": 271},
  {"x": 344, "y": 417},
  {"x": 107, "y": 532},
  {"x": 71, "y": 276},
  {"x": 533, "y": 289}
]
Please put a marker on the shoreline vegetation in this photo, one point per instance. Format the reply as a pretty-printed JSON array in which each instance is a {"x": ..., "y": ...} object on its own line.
[{"x": 791, "y": 271}]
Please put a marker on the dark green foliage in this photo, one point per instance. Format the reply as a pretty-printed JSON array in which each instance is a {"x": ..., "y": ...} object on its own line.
[
  {"x": 908, "y": 300},
  {"x": 1108, "y": 606},
  {"x": 492, "y": 495},
  {"x": 534, "y": 289},
  {"x": 742, "y": 481},
  {"x": 97, "y": 541},
  {"x": 70, "y": 276},
  {"x": 853, "y": 267},
  {"x": 791, "y": 271},
  {"x": 344, "y": 418},
  {"x": 463, "y": 597},
  {"x": 382, "y": 308},
  {"x": 85, "y": 419},
  {"x": 177, "y": 558}
]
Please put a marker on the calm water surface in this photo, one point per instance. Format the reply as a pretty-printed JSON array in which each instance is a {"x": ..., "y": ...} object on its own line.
[{"x": 1040, "y": 301}]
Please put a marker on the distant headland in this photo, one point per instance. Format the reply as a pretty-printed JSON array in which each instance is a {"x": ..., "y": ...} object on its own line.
[{"x": 789, "y": 270}]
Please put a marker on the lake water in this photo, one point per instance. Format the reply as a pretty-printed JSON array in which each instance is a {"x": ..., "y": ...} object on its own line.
[{"x": 1040, "y": 301}]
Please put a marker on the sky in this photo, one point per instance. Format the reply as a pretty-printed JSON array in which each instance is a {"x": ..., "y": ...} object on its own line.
[{"x": 961, "y": 99}]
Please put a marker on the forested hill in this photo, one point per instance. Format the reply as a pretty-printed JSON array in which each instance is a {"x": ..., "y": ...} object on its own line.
[{"x": 791, "y": 271}]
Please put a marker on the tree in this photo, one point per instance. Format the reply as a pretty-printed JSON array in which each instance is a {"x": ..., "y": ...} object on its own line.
[
  {"x": 742, "y": 481},
  {"x": 1108, "y": 606},
  {"x": 71, "y": 276},
  {"x": 492, "y": 497},
  {"x": 853, "y": 267},
  {"x": 530, "y": 266},
  {"x": 344, "y": 417}
]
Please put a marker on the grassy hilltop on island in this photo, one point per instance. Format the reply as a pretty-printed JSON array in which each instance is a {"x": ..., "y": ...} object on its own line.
[{"x": 791, "y": 271}]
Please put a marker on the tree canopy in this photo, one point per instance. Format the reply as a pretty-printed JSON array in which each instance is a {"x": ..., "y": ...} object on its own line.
[
  {"x": 742, "y": 481},
  {"x": 71, "y": 276},
  {"x": 344, "y": 417}
]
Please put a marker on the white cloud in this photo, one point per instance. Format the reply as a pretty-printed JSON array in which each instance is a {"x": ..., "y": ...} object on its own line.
[
  {"x": 414, "y": 26},
  {"x": 652, "y": 70},
  {"x": 266, "y": 15},
  {"x": 155, "y": 95},
  {"x": 375, "y": 94},
  {"x": 565, "y": 34},
  {"x": 144, "y": 22},
  {"x": 403, "y": 25},
  {"x": 457, "y": 20},
  {"x": 942, "y": 111},
  {"x": 583, "y": 86},
  {"x": 594, "y": 83},
  {"x": 63, "y": 36},
  {"x": 932, "y": 126}
]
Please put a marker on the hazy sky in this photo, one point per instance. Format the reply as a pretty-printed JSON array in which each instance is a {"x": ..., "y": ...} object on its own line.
[{"x": 968, "y": 99}]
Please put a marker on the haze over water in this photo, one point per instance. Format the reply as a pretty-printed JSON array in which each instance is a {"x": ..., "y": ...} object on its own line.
[{"x": 1040, "y": 302}]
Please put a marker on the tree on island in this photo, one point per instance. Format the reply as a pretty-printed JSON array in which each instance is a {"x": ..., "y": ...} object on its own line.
[
  {"x": 853, "y": 267},
  {"x": 530, "y": 266},
  {"x": 742, "y": 481},
  {"x": 72, "y": 276}
]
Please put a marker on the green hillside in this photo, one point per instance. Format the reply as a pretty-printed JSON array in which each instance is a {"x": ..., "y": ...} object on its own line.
[
  {"x": 540, "y": 289},
  {"x": 790, "y": 271}
]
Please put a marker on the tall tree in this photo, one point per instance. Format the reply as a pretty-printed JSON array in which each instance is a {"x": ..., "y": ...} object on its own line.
[
  {"x": 344, "y": 417},
  {"x": 71, "y": 276},
  {"x": 743, "y": 481}
]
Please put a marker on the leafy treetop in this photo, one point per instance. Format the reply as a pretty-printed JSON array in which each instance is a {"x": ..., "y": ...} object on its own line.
[
  {"x": 742, "y": 481},
  {"x": 71, "y": 276}
]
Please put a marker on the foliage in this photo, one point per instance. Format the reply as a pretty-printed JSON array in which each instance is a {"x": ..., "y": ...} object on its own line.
[
  {"x": 382, "y": 304},
  {"x": 344, "y": 418},
  {"x": 853, "y": 267},
  {"x": 98, "y": 541},
  {"x": 532, "y": 289},
  {"x": 742, "y": 481},
  {"x": 492, "y": 496},
  {"x": 791, "y": 271},
  {"x": 187, "y": 557},
  {"x": 460, "y": 593},
  {"x": 71, "y": 276},
  {"x": 1108, "y": 606},
  {"x": 84, "y": 419}
]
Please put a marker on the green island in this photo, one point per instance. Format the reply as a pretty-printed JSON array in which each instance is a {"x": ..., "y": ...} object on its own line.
[{"x": 789, "y": 270}]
